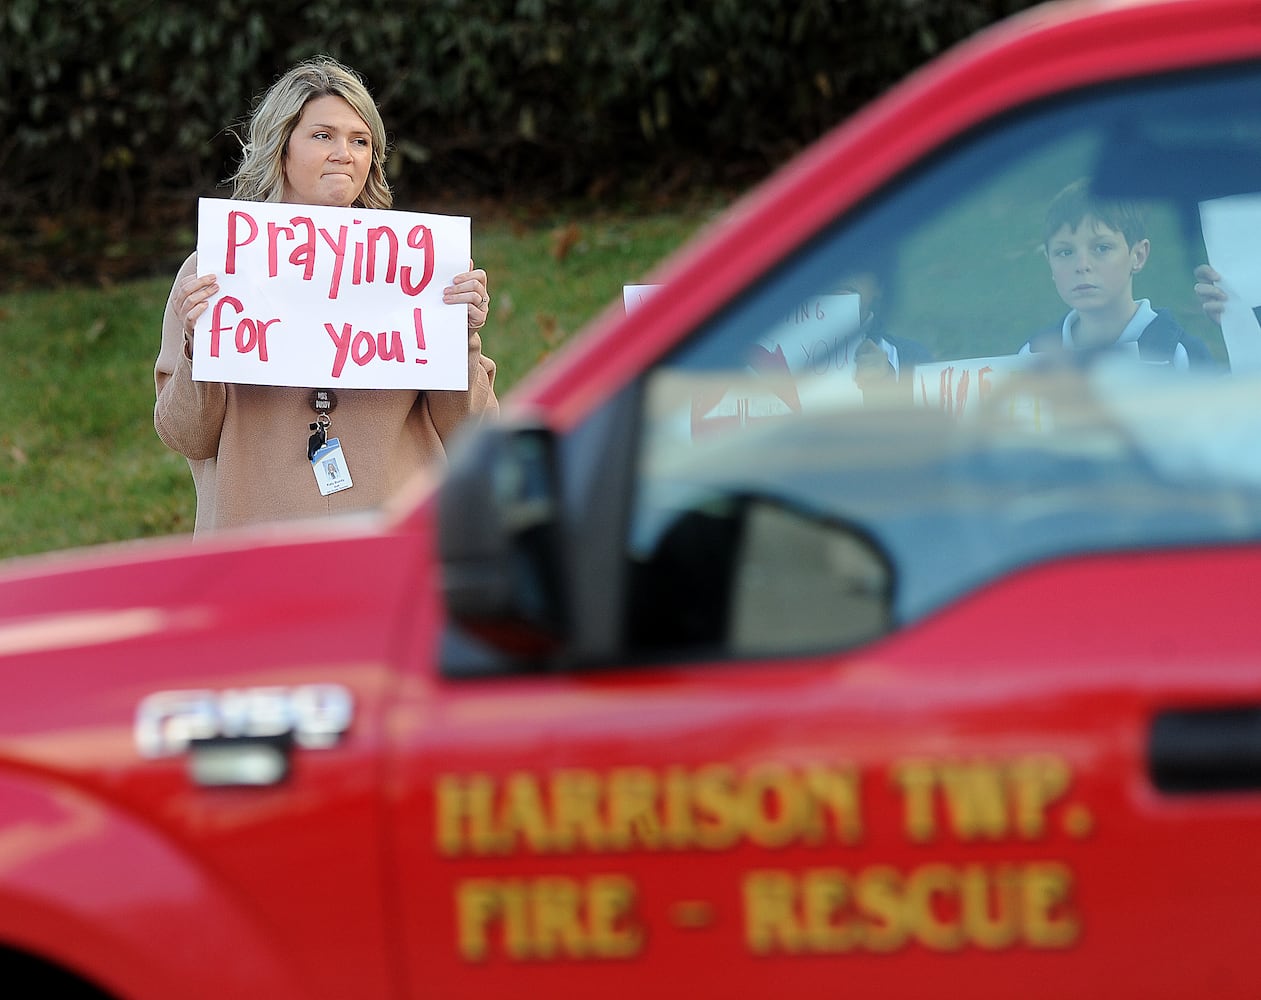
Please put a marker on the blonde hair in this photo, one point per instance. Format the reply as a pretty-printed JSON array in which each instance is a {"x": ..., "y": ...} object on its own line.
[{"x": 261, "y": 174}]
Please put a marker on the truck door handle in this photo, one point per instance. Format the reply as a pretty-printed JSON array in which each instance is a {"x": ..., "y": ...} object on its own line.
[{"x": 1206, "y": 750}]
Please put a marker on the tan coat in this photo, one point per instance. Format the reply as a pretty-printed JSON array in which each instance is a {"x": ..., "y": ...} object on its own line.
[{"x": 246, "y": 444}]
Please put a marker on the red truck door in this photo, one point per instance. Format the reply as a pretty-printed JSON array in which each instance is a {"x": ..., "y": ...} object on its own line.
[{"x": 846, "y": 646}]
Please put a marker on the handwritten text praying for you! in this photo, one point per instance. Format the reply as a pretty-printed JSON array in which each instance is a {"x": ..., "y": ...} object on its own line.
[{"x": 320, "y": 297}]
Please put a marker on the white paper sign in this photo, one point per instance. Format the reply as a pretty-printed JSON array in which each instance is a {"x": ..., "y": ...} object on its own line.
[
  {"x": 633, "y": 296},
  {"x": 811, "y": 337},
  {"x": 1232, "y": 237},
  {"x": 960, "y": 388},
  {"x": 331, "y": 297},
  {"x": 817, "y": 336},
  {"x": 805, "y": 362}
]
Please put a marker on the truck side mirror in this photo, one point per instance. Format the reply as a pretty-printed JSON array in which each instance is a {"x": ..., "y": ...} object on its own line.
[
  {"x": 499, "y": 540},
  {"x": 807, "y": 582},
  {"x": 748, "y": 575}
]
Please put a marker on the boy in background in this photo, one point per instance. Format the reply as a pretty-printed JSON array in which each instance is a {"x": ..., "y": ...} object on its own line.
[{"x": 1095, "y": 247}]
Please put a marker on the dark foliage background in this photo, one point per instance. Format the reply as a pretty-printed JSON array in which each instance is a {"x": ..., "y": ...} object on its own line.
[{"x": 117, "y": 114}]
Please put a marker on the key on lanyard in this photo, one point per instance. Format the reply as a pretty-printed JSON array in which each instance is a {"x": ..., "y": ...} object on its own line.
[{"x": 320, "y": 436}]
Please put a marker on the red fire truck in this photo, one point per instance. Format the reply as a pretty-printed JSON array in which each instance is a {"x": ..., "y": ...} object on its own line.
[{"x": 805, "y": 629}]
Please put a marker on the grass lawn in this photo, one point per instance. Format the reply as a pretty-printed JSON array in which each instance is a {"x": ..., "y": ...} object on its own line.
[{"x": 80, "y": 462}]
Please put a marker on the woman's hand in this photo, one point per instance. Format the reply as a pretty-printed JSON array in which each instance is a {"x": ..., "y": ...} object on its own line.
[
  {"x": 1210, "y": 294},
  {"x": 192, "y": 296},
  {"x": 470, "y": 287}
]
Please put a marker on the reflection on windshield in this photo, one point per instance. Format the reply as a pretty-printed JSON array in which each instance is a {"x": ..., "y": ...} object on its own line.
[{"x": 1067, "y": 458}]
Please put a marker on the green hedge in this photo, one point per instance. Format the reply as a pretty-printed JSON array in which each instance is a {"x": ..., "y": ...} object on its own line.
[{"x": 115, "y": 105}]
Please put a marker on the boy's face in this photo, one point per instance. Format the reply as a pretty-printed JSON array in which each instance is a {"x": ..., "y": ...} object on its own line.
[{"x": 1092, "y": 266}]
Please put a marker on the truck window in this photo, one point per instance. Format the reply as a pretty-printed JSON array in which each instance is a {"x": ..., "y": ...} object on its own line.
[{"x": 878, "y": 376}]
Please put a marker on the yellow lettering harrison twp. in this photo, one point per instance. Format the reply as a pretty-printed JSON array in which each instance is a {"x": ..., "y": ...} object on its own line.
[{"x": 710, "y": 807}]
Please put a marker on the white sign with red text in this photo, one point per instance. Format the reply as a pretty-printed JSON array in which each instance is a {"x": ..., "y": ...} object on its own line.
[
  {"x": 331, "y": 297},
  {"x": 814, "y": 337},
  {"x": 961, "y": 389}
]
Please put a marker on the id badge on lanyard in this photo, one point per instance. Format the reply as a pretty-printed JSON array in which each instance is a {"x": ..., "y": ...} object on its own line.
[{"x": 332, "y": 475}]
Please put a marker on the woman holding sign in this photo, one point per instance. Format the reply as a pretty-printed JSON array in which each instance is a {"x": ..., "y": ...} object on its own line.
[{"x": 267, "y": 452}]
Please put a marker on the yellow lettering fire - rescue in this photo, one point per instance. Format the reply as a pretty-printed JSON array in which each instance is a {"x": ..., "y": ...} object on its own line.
[
  {"x": 881, "y": 909},
  {"x": 546, "y": 918}
]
